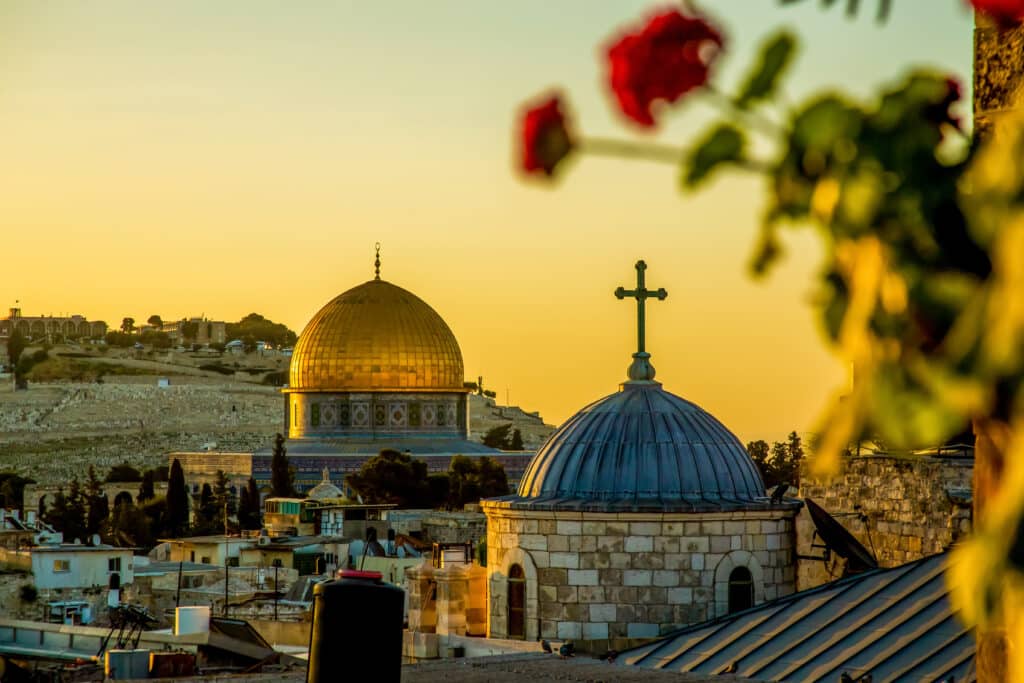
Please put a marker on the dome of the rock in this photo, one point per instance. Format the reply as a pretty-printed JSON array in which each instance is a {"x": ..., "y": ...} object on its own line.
[{"x": 376, "y": 337}]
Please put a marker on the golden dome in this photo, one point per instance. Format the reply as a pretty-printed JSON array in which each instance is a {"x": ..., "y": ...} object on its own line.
[{"x": 376, "y": 337}]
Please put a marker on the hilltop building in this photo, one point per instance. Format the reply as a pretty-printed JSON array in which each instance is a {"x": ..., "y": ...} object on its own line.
[
  {"x": 376, "y": 368},
  {"x": 49, "y": 328}
]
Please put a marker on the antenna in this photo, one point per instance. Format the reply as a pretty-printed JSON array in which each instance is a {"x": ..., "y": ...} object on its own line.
[{"x": 838, "y": 540}]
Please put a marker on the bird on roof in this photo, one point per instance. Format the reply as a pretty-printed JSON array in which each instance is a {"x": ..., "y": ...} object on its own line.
[
  {"x": 567, "y": 650},
  {"x": 546, "y": 646}
]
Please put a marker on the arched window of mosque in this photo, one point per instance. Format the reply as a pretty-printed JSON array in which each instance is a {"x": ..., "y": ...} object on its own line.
[
  {"x": 516, "y": 602},
  {"x": 741, "y": 590}
]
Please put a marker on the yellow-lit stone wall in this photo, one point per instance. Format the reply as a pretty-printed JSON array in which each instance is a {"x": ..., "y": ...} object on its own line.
[{"x": 612, "y": 577}]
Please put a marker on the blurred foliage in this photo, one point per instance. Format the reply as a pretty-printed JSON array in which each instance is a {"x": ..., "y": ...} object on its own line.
[{"x": 922, "y": 286}]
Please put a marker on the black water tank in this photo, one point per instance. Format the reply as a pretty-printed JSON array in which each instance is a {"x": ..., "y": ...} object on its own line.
[{"x": 357, "y": 621}]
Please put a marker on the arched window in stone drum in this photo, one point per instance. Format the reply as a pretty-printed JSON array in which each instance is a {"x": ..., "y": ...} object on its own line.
[
  {"x": 741, "y": 590},
  {"x": 516, "y": 602}
]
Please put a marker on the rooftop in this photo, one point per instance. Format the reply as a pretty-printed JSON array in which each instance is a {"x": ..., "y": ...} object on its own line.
[{"x": 894, "y": 624}]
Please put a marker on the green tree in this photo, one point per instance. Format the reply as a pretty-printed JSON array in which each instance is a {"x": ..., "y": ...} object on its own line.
[
  {"x": 256, "y": 507},
  {"x": 464, "y": 481},
  {"x": 15, "y": 345},
  {"x": 67, "y": 513},
  {"x": 177, "y": 502},
  {"x": 790, "y": 471},
  {"x": 760, "y": 452},
  {"x": 392, "y": 477},
  {"x": 207, "y": 519},
  {"x": 146, "y": 488},
  {"x": 97, "y": 504},
  {"x": 156, "y": 321},
  {"x": 498, "y": 437},
  {"x": 259, "y": 328},
  {"x": 282, "y": 478},
  {"x": 12, "y": 490},
  {"x": 128, "y": 325},
  {"x": 439, "y": 489},
  {"x": 223, "y": 499},
  {"x": 244, "y": 509},
  {"x": 516, "y": 442},
  {"x": 131, "y": 527},
  {"x": 123, "y": 473},
  {"x": 471, "y": 479},
  {"x": 189, "y": 331}
]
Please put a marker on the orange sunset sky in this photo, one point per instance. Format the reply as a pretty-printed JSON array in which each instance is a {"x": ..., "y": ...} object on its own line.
[{"x": 189, "y": 157}]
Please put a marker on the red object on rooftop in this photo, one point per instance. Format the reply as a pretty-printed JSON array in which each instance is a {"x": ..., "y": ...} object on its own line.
[{"x": 357, "y": 574}]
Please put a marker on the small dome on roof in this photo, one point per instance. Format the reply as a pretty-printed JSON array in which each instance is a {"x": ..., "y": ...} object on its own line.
[{"x": 325, "y": 489}]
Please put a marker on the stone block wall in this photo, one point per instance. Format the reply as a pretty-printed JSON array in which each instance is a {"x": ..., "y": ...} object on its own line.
[
  {"x": 901, "y": 507},
  {"x": 611, "y": 577}
]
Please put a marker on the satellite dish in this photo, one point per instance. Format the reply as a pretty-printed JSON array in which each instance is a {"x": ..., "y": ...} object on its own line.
[
  {"x": 840, "y": 541},
  {"x": 95, "y": 540}
]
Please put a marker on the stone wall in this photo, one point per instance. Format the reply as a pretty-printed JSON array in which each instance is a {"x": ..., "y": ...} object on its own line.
[
  {"x": 901, "y": 507},
  {"x": 611, "y": 577}
]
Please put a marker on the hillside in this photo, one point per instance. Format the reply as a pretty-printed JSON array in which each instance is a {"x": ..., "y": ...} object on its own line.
[{"x": 56, "y": 428}]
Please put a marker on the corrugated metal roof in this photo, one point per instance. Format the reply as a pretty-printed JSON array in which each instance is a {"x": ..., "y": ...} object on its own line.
[{"x": 896, "y": 624}]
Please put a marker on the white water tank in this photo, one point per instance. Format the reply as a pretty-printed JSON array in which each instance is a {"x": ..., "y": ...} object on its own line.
[
  {"x": 191, "y": 620},
  {"x": 126, "y": 665}
]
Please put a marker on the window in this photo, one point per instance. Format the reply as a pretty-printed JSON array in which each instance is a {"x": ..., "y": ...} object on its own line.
[
  {"x": 204, "y": 560},
  {"x": 741, "y": 590},
  {"x": 192, "y": 556},
  {"x": 314, "y": 415},
  {"x": 516, "y": 602},
  {"x": 61, "y": 566},
  {"x": 114, "y": 564}
]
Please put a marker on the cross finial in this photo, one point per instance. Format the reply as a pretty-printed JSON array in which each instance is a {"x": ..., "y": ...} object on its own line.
[
  {"x": 376, "y": 263},
  {"x": 641, "y": 368}
]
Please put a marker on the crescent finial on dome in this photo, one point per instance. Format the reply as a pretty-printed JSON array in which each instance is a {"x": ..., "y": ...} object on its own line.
[{"x": 376, "y": 263}]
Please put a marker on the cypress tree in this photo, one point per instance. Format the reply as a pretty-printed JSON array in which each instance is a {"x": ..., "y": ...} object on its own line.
[
  {"x": 146, "y": 489},
  {"x": 177, "y": 501},
  {"x": 244, "y": 511},
  {"x": 97, "y": 502},
  {"x": 282, "y": 483},
  {"x": 256, "y": 507}
]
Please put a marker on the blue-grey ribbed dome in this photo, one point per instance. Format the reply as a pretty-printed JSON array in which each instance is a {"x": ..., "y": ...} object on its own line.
[{"x": 642, "y": 448}]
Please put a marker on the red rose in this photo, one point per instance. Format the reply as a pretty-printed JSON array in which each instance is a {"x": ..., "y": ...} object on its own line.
[
  {"x": 545, "y": 139},
  {"x": 1004, "y": 11},
  {"x": 665, "y": 60}
]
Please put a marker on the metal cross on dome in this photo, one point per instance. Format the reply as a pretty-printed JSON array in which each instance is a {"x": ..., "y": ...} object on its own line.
[{"x": 641, "y": 294}]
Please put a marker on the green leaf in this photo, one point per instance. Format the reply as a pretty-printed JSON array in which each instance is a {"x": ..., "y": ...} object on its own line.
[
  {"x": 774, "y": 58},
  {"x": 722, "y": 144}
]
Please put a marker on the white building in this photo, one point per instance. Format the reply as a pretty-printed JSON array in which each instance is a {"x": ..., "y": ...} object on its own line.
[{"x": 69, "y": 565}]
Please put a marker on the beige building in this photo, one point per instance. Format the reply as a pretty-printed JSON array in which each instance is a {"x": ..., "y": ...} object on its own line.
[{"x": 49, "y": 328}]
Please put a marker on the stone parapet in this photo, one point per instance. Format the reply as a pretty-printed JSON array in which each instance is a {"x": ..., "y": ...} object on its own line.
[{"x": 901, "y": 508}]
